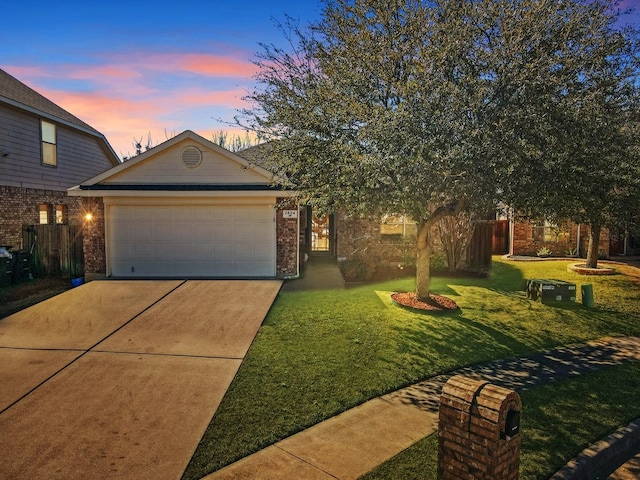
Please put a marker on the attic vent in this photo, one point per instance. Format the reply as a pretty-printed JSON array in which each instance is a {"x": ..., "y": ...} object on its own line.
[{"x": 191, "y": 157}]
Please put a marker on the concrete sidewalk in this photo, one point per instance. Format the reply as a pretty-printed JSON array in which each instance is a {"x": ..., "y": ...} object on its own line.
[{"x": 358, "y": 440}]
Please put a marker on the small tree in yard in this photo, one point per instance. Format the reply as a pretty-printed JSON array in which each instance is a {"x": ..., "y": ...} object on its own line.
[
  {"x": 421, "y": 108},
  {"x": 455, "y": 234}
]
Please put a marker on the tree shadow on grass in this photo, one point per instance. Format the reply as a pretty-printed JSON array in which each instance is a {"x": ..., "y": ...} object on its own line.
[{"x": 525, "y": 372}]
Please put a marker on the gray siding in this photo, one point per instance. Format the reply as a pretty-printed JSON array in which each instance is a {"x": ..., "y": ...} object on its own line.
[{"x": 79, "y": 156}]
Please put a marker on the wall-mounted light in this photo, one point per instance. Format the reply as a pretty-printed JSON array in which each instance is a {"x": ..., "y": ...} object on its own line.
[{"x": 4, "y": 151}]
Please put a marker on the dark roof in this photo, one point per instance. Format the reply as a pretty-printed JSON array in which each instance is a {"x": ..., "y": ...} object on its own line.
[
  {"x": 258, "y": 154},
  {"x": 14, "y": 92}
]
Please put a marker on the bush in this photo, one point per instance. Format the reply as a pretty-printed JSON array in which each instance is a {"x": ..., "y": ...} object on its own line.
[
  {"x": 355, "y": 270},
  {"x": 437, "y": 262}
]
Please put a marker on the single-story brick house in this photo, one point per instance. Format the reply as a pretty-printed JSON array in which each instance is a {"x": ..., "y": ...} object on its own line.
[
  {"x": 391, "y": 239},
  {"x": 189, "y": 208}
]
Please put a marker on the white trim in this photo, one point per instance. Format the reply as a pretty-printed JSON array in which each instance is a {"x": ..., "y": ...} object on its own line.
[{"x": 77, "y": 192}]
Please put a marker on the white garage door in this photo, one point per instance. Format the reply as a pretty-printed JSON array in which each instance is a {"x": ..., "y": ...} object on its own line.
[{"x": 191, "y": 241}]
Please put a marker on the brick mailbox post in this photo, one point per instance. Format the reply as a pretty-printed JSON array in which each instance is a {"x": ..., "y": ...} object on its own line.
[{"x": 478, "y": 432}]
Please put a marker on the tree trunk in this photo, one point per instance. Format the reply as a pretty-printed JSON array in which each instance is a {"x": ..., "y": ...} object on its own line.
[
  {"x": 423, "y": 257},
  {"x": 594, "y": 245}
]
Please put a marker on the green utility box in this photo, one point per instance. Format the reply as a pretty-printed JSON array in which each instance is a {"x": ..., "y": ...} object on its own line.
[
  {"x": 587, "y": 295},
  {"x": 551, "y": 291}
]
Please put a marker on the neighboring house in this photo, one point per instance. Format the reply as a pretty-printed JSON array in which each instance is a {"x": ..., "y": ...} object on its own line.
[
  {"x": 561, "y": 240},
  {"x": 189, "y": 208},
  {"x": 44, "y": 150}
]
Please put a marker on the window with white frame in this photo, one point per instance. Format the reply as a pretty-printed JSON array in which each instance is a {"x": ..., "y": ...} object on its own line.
[
  {"x": 550, "y": 232},
  {"x": 48, "y": 133},
  {"x": 397, "y": 226}
]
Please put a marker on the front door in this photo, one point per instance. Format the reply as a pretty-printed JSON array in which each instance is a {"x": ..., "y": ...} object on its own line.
[{"x": 320, "y": 230}]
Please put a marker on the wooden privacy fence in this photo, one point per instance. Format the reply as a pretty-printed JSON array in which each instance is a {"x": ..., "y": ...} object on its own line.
[
  {"x": 480, "y": 247},
  {"x": 500, "y": 237},
  {"x": 57, "y": 249}
]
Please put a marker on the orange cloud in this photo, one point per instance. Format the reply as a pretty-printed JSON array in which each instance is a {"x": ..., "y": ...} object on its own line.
[
  {"x": 216, "y": 65},
  {"x": 127, "y": 96}
]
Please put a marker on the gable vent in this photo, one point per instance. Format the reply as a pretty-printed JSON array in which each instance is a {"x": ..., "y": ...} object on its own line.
[{"x": 191, "y": 157}]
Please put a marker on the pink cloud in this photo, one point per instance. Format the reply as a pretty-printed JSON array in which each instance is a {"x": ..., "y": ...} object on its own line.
[
  {"x": 216, "y": 65},
  {"x": 127, "y": 96}
]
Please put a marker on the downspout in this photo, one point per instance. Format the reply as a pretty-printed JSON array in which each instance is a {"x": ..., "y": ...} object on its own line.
[
  {"x": 298, "y": 243},
  {"x": 512, "y": 229}
]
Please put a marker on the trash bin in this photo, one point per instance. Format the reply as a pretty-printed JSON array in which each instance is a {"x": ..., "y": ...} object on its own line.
[{"x": 587, "y": 295}]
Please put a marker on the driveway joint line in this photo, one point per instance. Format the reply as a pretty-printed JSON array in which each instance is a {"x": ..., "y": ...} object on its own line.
[
  {"x": 156, "y": 354},
  {"x": 84, "y": 352},
  {"x": 38, "y": 349},
  {"x": 279, "y": 447}
]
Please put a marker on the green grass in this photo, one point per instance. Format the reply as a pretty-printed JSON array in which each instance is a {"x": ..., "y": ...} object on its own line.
[
  {"x": 320, "y": 353},
  {"x": 558, "y": 422}
]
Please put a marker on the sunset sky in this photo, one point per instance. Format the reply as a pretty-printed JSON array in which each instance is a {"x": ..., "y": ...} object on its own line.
[
  {"x": 133, "y": 67},
  {"x": 130, "y": 68}
]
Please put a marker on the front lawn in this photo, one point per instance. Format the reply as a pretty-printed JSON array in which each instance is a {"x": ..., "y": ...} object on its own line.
[
  {"x": 320, "y": 353},
  {"x": 558, "y": 422}
]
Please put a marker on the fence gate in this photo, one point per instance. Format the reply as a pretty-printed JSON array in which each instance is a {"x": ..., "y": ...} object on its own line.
[
  {"x": 500, "y": 237},
  {"x": 57, "y": 249}
]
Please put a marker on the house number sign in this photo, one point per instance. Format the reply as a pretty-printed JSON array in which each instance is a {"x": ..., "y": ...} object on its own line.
[{"x": 289, "y": 214}]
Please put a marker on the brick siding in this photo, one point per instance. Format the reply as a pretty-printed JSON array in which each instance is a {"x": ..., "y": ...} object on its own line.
[
  {"x": 287, "y": 240},
  {"x": 93, "y": 233},
  {"x": 21, "y": 206}
]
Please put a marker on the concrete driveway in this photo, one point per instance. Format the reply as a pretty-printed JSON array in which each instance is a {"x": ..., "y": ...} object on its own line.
[{"x": 119, "y": 379}]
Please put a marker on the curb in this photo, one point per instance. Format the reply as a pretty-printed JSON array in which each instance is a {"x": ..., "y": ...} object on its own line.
[{"x": 604, "y": 457}]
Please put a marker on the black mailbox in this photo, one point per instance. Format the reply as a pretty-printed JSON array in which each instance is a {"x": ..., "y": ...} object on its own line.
[{"x": 512, "y": 425}]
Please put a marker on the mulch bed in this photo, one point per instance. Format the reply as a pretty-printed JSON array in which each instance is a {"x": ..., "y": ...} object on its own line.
[{"x": 435, "y": 304}]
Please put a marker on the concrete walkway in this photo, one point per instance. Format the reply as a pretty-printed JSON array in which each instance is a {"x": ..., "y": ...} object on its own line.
[
  {"x": 119, "y": 379},
  {"x": 319, "y": 274},
  {"x": 353, "y": 443}
]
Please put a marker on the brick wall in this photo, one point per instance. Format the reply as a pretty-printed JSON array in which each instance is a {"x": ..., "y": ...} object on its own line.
[
  {"x": 360, "y": 239},
  {"x": 93, "y": 232},
  {"x": 287, "y": 240},
  {"x": 21, "y": 206},
  {"x": 523, "y": 243}
]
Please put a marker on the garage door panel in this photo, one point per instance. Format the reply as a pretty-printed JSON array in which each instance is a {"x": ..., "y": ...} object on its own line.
[{"x": 205, "y": 241}]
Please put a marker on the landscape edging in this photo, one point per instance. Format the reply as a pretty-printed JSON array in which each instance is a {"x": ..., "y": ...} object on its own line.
[{"x": 604, "y": 457}]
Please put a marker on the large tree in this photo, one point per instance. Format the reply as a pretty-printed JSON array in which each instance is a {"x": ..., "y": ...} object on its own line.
[
  {"x": 407, "y": 106},
  {"x": 569, "y": 146}
]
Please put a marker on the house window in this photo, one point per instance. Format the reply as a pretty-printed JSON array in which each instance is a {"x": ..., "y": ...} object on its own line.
[
  {"x": 550, "y": 232},
  {"x": 61, "y": 214},
  {"x": 48, "y": 131},
  {"x": 397, "y": 226},
  {"x": 46, "y": 213}
]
